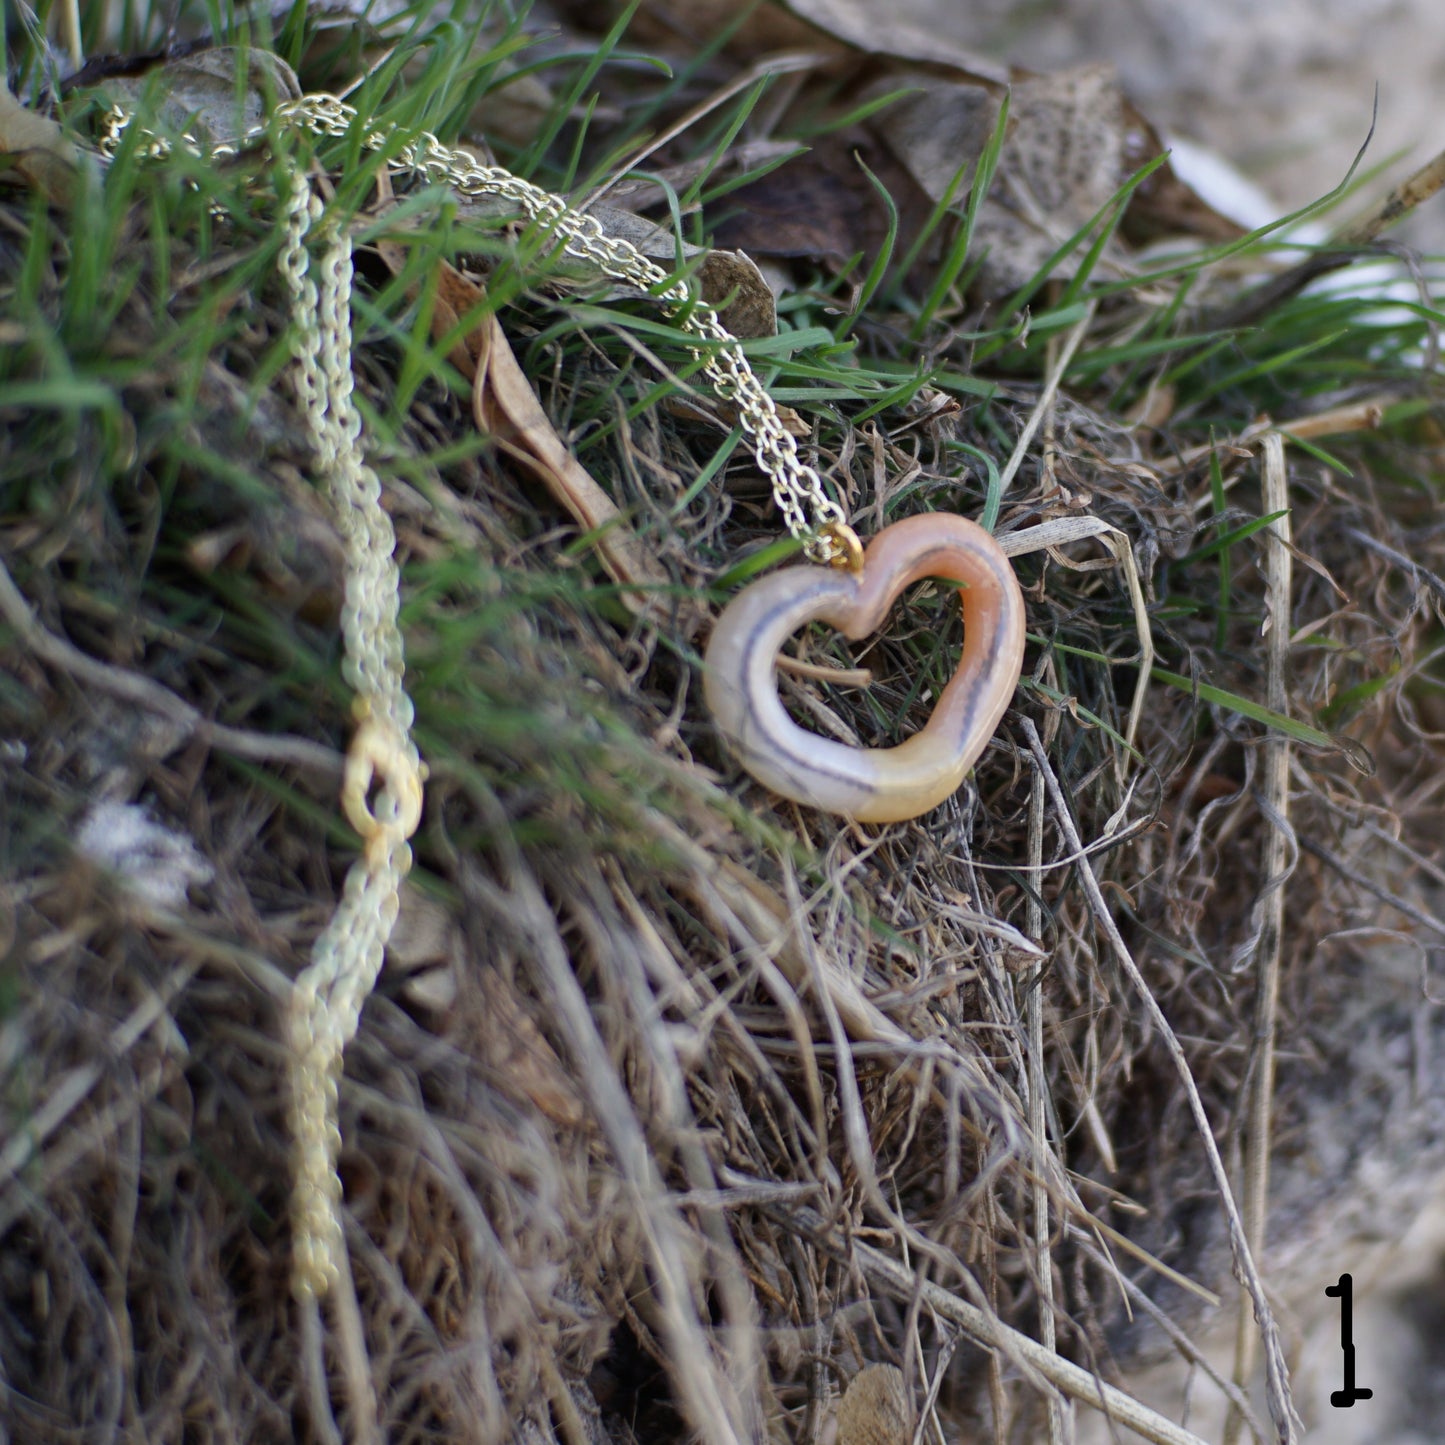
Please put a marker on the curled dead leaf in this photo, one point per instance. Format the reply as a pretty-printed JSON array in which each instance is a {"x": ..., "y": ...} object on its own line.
[
  {"x": 874, "y": 30},
  {"x": 200, "y": 94},
  {"x": 731, "y": 281},
  {"x": 1062, "y": 161},
  {"x": 41, "y": 154},
  {"x": 507, "y": 409}
]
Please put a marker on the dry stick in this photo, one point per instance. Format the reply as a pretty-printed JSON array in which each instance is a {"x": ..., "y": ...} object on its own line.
[
  {"x": 65, "y": 1095},
  {"x": 1034, "y": 1012},
  {"x": 313, "y": 1373},
  {"x": 131, "y": 687},
  {"x": 1337, "y": 421},
  {"x": 885, "y": 1272},
  {"x": 354, "y": 1364},
  {"x": 1280, "y": 854},
  {"x": 1281, "y": 1407},
  {"x": 1419, "y": 573},
  {"x": 1417, "y": 859},
  {"x": 1181, "y": 1342},
  {"x": 1410, "y": 910},
  {"x": 70, "y": 30},
  {"x": 935, "y": 1385}
]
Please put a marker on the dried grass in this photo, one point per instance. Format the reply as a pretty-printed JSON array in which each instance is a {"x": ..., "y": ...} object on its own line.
[{"x": 671, "y": 1110}]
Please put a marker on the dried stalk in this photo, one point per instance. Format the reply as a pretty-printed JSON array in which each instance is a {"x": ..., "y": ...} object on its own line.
[
  {"x": 1281, "y": 1406},
  {"x": 1280, "y": 854}
]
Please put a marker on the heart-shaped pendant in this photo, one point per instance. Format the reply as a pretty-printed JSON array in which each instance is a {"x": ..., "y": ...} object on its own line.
[{"x": 873, "y": 785}]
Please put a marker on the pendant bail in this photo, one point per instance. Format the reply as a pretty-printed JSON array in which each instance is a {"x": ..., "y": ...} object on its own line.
[{"x": 843, "y": 546}]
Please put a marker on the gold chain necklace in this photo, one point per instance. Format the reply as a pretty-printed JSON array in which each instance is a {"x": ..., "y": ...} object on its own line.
[
  {"x": 811, "y": 515},
  {"x": 849, "y": 587}
]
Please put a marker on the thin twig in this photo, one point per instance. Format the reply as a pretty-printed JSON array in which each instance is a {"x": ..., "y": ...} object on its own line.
[
  {"x": 131, "y": 687},
  {"x": 715, "y": 1408},
  {"x": 1409, "y": 564},
  {"x": 1364, "y": 415},
  {"x": 1034, "y": 1013},
  {"x": 884, "y": 1272},
  {"x": 1352, "y": 873},
  {"x": 65, "y": 1095},
  {"x": 1280, "y": 854},
  {"x": 1186, "y": 1347},
  {"x": 314, "y": 1389},
  {"x": 1281, "y": 1407},
  {"x": 354, "y": 1362}
]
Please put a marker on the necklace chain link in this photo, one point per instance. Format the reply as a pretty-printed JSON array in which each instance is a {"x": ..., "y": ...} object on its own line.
[
  {"x": 383, "y": 780},
  {"x": 326, "y": 1000},
  {"x": 808, "y": 511},
  {"x": 812, "y": 517}
]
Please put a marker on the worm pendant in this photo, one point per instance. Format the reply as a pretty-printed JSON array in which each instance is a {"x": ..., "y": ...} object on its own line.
[{"x": 873, "y": 785}]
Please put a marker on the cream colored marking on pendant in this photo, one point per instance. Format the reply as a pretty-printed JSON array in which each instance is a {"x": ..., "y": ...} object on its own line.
[{"x": 873, "y": 785}]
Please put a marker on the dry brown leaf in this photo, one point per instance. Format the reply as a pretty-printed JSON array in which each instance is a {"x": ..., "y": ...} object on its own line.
[
  {"x": 723, "y": 275},
  {"x": 506, "y": 408},
  {"x": 1073, "y": 140},
  {"x": 1163, "y": 205},
  {"x": 42, "y": 154},
  {"x": 731, "y": 281},
  {"x": 649, "y": 191},
  {"x": 869, "y": 27},
  {"x": 818, "y": 206},
  {"x": 822, "y": 207},
  {"x": 513, "y": 111},
  {"x": 691, "y": 24},
  {"x": 1062, "y": 160},
  {"x": 200, "y": 95},
  {"x": 1152, "y": 409},
  {"x": 941, "y": 126}
]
